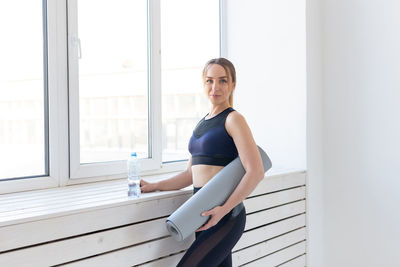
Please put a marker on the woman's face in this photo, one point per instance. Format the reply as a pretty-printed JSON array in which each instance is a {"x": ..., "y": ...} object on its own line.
[{"x": 218, "y": 85}]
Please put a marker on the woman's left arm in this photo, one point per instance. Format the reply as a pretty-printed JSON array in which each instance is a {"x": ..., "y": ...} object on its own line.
[
  {"x": 250, "y": 157},
  {"x": 237, "y": 127}
]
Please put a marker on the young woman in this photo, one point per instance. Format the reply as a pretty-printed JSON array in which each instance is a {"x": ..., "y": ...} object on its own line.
[{"x": 218, "y": 138}]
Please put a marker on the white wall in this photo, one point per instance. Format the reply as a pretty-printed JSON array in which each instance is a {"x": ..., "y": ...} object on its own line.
[
  {"x": 315, "y": 181},
  {"x": 361, "y": 130},
  {"x": 353, "y": 129},
  {"x": 266, "y": 42}
]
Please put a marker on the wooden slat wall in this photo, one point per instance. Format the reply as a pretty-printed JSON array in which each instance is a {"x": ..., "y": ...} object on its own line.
[{"x": 99, "y": 226}]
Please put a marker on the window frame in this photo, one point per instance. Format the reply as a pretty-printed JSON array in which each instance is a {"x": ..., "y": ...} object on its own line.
[
  {"x": 153, "y": 162},
  {"x": 63, "y": 111},
  {"x": 57, "y": 107}
]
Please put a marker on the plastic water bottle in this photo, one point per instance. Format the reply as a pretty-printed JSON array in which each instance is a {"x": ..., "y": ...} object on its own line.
[{"x": 133, "y": 165}]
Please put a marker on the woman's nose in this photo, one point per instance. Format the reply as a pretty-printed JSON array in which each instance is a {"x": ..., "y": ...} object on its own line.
[{"x": 215, "y": 86}]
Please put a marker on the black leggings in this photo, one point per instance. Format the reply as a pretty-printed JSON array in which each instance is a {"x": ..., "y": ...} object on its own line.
[{"x": 213, "y": 247}]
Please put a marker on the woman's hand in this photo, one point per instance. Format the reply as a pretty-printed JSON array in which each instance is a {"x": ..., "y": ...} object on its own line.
[
  {"x": 216, "y": 215},
  {"x": 146, "y": 187}
]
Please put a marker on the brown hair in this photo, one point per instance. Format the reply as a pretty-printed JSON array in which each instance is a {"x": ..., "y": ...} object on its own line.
[{"x": 229, "y": 69}]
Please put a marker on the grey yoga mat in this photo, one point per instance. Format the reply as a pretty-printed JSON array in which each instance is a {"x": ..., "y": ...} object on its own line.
[{"x": 187, "y": 218}]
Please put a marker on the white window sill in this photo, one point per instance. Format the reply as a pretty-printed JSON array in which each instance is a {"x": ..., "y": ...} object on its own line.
[
  {"x": 48, "y": 182},
  {"x": 37, "y": 205},
  {"x": 17, "y": 208}
]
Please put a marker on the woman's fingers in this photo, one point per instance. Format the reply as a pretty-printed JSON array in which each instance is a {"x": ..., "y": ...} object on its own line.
[
  {"x": 207, "y": 213},
  {"x": 204, "y": 227},
  {"x": 146, "y": 187},
  {"x": 215, "y": 216}
]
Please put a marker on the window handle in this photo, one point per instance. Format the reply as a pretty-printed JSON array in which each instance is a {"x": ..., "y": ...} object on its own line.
[
  {"x": 79, "y": 49},
  {"x": 77, "y": 42}
]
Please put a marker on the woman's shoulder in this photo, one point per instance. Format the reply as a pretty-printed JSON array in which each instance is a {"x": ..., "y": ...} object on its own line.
[
  {"x": 236, "y": 126},
  {"x": 235, "y": 118}
]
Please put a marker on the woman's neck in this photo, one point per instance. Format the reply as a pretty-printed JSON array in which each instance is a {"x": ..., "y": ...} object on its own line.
[{"x": 215, "y": 110}]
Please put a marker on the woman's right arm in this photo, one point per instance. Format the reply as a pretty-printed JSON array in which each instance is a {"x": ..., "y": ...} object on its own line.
[{"x": 179, "y": 181}]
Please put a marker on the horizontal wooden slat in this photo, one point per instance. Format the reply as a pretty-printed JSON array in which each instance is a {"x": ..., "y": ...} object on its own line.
[
  {"x": 164, "y": 262},
  {"x": 269, "y": 231},
  {"x": 84, "y": 246},
  {"x": 274, "y": 199},
  {"x": 135, "y": 255},
  {"x": 280, "y": 256},
  {"x": 173, "y": 261},
  {"x": 267, "y": 247},
  {"x": 271, "y": 215},
  {"x": 279, "y": 182},
  {"x": 296, "y": 262},
  {"x": 45, "y": 230}
]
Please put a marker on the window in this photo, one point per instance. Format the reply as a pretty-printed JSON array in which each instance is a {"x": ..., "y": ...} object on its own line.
[
  {"x": 188, "y": 39},
  {"x": 115, "y": 80},
  {"x": 23, "y": 95},
  {"x": 113, "y": 95},
  {"x": 84, "y": 83},
  {"x": 109, "y": 85}
]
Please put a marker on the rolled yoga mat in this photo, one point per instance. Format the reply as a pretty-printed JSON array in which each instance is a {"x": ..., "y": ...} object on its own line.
[{"x": 187, "y": 218}]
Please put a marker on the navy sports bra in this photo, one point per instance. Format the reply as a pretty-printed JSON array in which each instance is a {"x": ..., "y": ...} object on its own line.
[{"x": 210, "y": 143}]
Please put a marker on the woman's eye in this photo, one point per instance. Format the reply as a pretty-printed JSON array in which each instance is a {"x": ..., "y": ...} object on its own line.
[
  {"x": 223, "y": 81},
  {"x": 209, "y": 81}
]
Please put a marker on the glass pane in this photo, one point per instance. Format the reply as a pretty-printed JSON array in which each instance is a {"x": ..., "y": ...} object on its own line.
[
  {"x": 22, "y": 113},
  {"x": 113, "y": 89},
  {"x": 189, "y": 38}
]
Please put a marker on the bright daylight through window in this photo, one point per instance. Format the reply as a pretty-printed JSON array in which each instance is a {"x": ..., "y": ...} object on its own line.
[
  {"x": 116, "y": 80},
  {"x": 125, "y": 76},
  {"x": 113, "y": 83},
  {"x": 23, "y": 117}
]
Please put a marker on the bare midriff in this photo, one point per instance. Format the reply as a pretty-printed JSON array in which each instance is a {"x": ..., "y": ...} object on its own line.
[{"x": 201, "y": 174}]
